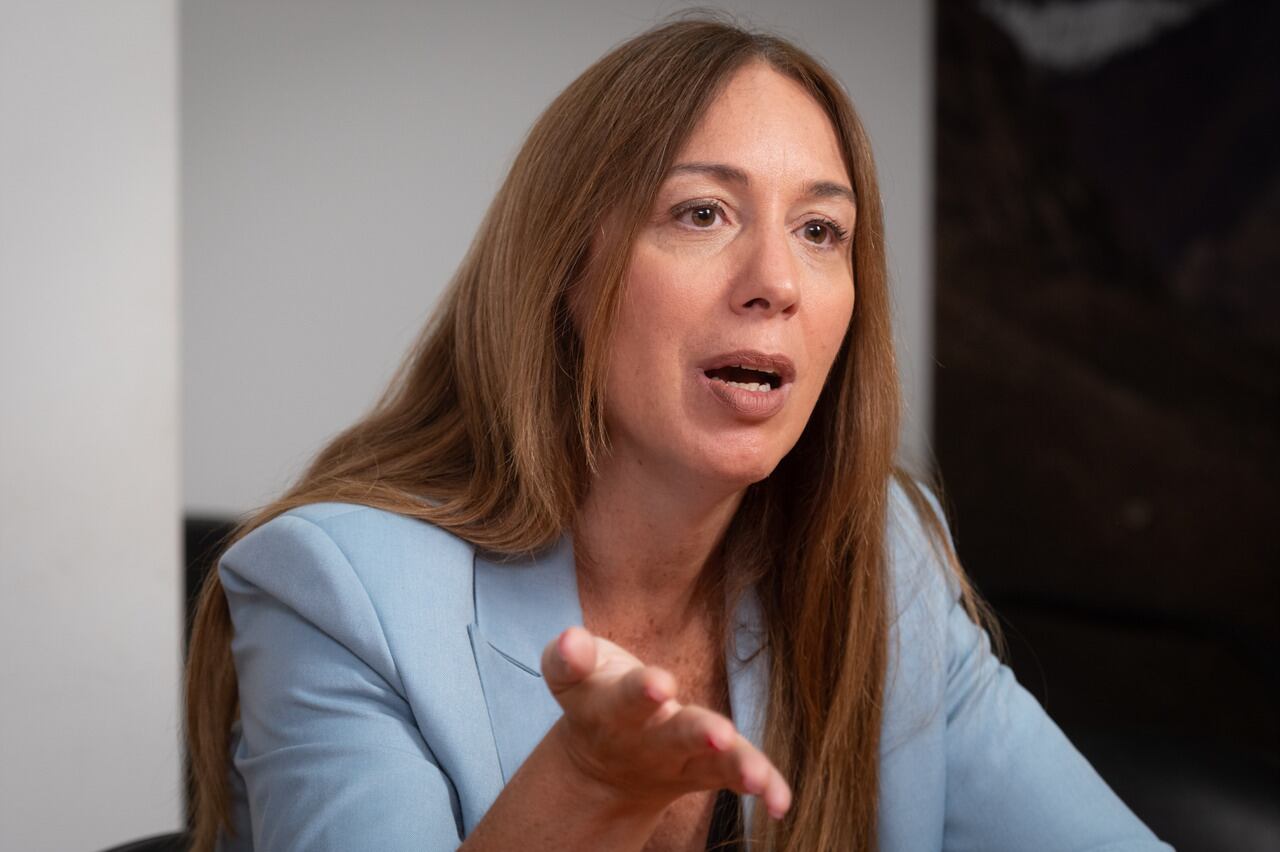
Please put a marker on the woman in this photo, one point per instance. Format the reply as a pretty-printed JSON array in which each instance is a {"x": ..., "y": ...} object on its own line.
[{"x": 626, "y": 529}]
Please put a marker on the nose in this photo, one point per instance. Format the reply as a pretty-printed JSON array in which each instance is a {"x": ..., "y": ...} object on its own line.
[{"x": 766, "y": 281}]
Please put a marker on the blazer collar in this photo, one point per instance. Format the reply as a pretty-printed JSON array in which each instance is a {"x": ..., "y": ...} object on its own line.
[{"x": 522, "y": 604}]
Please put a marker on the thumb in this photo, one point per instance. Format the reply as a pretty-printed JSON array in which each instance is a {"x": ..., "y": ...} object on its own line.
[{"x": 568, "y": 659}]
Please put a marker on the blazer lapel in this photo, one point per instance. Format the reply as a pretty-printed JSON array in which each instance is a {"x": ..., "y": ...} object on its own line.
[{"x": 522, "y": 604}]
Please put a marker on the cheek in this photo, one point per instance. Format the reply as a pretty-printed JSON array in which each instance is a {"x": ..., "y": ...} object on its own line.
[
  {"x": 660, "y": 310},
  {"x": 835, "y": 322},
  {"x": 653, "y": 324},
  {"x": 826, "y": 332}
]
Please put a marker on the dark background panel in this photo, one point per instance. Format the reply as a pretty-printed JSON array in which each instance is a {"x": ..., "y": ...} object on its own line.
[{"x": 1108, "y": 381}]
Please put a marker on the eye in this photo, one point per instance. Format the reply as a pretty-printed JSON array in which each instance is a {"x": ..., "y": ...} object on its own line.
[
  {"x": 701, "y": 214},
  {"x": 824, "y": 232}
]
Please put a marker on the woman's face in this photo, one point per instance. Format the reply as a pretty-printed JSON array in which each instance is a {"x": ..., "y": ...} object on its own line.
[{"x": 739, "y": 291}]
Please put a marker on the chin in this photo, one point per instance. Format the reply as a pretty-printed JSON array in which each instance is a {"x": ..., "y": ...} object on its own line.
[{"x": 740, "y": 468}]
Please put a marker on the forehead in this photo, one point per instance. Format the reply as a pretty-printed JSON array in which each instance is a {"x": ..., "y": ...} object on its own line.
[{"x": 767, "y": 124}]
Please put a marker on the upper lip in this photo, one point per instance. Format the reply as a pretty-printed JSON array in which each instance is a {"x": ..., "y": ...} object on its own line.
[{"x": 752, "y": 359}]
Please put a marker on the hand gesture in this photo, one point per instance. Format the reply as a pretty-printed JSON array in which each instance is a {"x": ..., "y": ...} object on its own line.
[{"x": 625, "y": 730}]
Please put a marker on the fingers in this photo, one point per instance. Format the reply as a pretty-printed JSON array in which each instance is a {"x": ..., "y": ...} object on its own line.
[
  {"x": 643, "y": 693},
  {"x": 724, "y": 758},
  {"x": 746, "y": 774},
  {"x": 617, "y": 700},
  {"x": 568, "y": 659},
  {"x": 763, "y": 780},
  {"x": 696, "y": 730}
]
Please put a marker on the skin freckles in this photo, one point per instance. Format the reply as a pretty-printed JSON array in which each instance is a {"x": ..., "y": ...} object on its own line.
[
  {"x": 724, "y": 264},
  {"x": 745, "y": 248},
  {"x": 740, "y": 251}
]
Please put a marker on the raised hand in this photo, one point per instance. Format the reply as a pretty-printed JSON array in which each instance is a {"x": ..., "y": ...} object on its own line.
[{"x": 625, "y": 730}]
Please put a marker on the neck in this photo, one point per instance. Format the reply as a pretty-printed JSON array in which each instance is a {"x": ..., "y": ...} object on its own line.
[{"x": 644, "y": 541}]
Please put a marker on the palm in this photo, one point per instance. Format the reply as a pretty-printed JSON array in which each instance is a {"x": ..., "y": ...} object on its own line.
[{"x": 624, "y": 728}]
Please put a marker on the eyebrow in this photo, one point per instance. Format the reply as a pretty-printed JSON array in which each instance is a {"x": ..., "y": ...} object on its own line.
[{"x": 732, "y": 174}]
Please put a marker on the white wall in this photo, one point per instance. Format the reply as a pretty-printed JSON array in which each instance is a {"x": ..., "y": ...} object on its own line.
[
  {"x": 89, "y": 493},
  {"x": 338, "y": 156}
]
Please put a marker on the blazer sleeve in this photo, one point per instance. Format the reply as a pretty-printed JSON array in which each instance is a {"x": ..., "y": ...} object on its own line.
[
  {"x": 330, "y": 753},
  {"x": 1014, "y": 781}
]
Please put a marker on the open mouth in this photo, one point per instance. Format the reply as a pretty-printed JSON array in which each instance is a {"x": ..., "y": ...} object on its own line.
[{"x": 747, "y": 378}]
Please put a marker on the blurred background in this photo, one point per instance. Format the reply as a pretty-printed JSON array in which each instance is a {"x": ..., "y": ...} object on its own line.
[
  {"x": 222, "y": 224},
  {"x": 1107, "y": 381}
]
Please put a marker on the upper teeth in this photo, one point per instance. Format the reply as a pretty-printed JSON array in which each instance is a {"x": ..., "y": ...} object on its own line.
[
  {"x": 757, "y": 369},
  {"x": 751, "y": 386}
]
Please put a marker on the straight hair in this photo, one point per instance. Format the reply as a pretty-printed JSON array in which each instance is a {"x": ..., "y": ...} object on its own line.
[{"x": 502, "y": 457}]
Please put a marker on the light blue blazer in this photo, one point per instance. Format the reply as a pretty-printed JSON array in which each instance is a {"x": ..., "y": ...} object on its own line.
[{"x": 390, "y": 686}]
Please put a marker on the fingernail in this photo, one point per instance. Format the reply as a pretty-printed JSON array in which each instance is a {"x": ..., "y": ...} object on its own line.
[{"x": 653, "y": 694}]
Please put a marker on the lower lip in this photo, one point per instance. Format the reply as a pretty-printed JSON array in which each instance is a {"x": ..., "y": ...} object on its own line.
[{"x": 752, "y": 405}]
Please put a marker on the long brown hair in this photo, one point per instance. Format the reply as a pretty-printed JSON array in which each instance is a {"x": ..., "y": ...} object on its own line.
[{"x": 495, "y": 421}]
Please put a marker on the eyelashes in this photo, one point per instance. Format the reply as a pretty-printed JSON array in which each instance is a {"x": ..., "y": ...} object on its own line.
[{"x": 839, "y": 234}]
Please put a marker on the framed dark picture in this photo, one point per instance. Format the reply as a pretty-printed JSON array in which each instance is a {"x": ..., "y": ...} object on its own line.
[{"x": 1108, "y": 357}]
